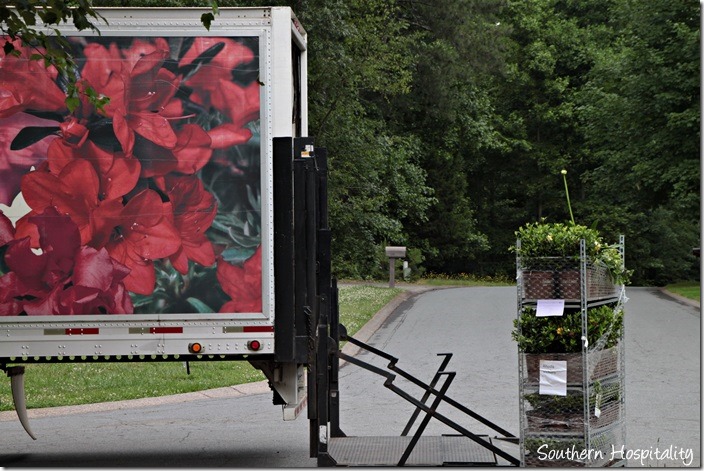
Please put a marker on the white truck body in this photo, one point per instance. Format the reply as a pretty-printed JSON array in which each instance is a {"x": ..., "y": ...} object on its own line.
[
  {"x": 272, "y": 44},
  {"x": 149, "y": 334}
]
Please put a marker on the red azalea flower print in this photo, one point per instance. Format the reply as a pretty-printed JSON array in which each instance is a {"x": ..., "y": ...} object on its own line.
[
  {"x": 191, "y": 152},
  {"x": 74, "y": 192},
  {"x": 240, "y": 103},
  {"x": 144, "y": 232},
  {"x": 15, "y": 163},
  {"x": 194, "y": 211},
  {"x": 242, "y": 283},
  {"x": 213, "y": 88},
  {"x": 117, "y": 174},
  {"x": 141, "y": 111},
  {"x": 134, "y": 234},
  {"x": 232, "y": 55},
  {"x": 66, "y": 278},
  {"x": 117, "y": 190},
  {"x": 7, "y": 231},
  {"x": 139, "y": 89}
]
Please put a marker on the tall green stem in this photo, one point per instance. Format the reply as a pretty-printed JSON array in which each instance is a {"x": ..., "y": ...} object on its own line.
[{"x": 567, "y": 194}]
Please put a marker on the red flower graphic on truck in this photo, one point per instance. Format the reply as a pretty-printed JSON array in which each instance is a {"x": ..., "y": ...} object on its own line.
[
  {"x": 242, "y": 283},
  {"x": 129, "y": 206},
  {"x": 66, "y": 278}
]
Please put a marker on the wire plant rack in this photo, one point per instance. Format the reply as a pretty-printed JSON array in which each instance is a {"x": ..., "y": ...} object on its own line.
[{"x": 583, "y": 422}]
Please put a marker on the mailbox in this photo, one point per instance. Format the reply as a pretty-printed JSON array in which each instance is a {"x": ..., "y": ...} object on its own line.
[{"x": 395, "y": 252}]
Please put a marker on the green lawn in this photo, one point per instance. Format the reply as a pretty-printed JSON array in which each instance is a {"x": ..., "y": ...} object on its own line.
[
  {"x": 61, "y": 384},
  {"x": 688, "y": 289},
  {"x": 464, "y": 280}
]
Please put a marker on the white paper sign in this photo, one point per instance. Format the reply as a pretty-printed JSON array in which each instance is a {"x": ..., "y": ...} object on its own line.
[
  {"x": 553, "y": 378},
  {"x": 550, "y": 307}
]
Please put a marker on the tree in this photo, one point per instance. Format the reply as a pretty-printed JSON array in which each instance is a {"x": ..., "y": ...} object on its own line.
[
  {"x": 640, "y": 115},
  {"x": 448, "y": 111},
  {"x": 359, "y": 60}
]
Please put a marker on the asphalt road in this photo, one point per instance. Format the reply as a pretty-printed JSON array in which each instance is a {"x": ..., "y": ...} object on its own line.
[{"x": 238, "y": 427}]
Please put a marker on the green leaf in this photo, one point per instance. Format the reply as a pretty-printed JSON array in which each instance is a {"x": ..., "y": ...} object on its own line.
[
  {"x": 202, "y": 59},
  {"x": 207, "y": 19},
  {"x": 72, "y": 103},
  {"x": 30, "y": 135},
  {"x": 238, "y": 254},
  {"x": 200, "y": 306}
]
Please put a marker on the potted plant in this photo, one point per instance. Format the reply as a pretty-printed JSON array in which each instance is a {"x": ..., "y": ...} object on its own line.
[
  {"x": 549, "y": 257},
  {"x": 552, "y": 414},
  {"x": 570, "y": 262},
  {"x": 560, "y": 338}
]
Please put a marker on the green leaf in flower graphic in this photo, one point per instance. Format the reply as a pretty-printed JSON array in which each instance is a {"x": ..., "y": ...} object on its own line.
[
  {"x": 199, "y": 306},
  {"x": 51, "y": 115},
  {"x": 203, "y": 58},
  {"x": 31, "y": 135},
  {"x": 236, "y": 255}
]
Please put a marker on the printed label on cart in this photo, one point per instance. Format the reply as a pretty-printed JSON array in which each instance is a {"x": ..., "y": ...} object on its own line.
[
  {"x": 553, "y": 378},
  {"x": 550, "y": 307}
]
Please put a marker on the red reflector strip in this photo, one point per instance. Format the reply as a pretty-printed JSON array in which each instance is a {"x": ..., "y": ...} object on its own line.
[
  {"x": 166, "y": 330},
  {"x": 265, "y": 328},
  {"x": 77, "y": 331}
]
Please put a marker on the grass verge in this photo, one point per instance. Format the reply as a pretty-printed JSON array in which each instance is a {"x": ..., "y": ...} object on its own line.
[
  {"x": 63, "y": 384},
  {"x": 463, "y": 279},
  {"x": 688, "y": 289}
]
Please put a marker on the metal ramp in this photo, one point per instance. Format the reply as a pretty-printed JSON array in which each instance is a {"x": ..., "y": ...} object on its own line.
[{"x": 429, "y": 451}]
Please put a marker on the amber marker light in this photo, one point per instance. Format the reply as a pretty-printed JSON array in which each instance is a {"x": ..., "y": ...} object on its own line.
[{"x": 195, "y": 347}]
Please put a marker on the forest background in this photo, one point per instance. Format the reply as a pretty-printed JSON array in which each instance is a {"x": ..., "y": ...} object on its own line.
[{"x": 448, "y": 122}]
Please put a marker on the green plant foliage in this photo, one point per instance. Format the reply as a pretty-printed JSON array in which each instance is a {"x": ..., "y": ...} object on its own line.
[
  {"x": 543, "y": 239},
  {"x": 557, "y": 240},
  {"x": 563, "y": 334}
]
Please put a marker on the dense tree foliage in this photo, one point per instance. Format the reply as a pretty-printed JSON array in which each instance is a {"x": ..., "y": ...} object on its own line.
[{"x": 448, "y": 127}]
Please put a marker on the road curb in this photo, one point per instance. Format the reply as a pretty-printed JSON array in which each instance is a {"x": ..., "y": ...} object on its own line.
[
  {"x": 681, "y": 299},
  {"x": 368, "y": 329},
  {"x": 228, "y": 391}
]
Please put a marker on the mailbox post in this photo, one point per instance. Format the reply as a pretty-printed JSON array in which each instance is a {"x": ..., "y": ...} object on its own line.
[{"x": 393, "y": 253}]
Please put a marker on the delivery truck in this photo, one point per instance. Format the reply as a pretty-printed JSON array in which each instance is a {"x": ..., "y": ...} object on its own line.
[{"x": 183, "y": 220}]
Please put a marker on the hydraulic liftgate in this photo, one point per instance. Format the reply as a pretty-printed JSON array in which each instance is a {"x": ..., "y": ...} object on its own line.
[{"x": 317, "y": 303}]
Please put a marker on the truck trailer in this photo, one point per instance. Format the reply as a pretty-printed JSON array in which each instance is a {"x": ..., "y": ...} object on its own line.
[{"x": 146, "y": 231}]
